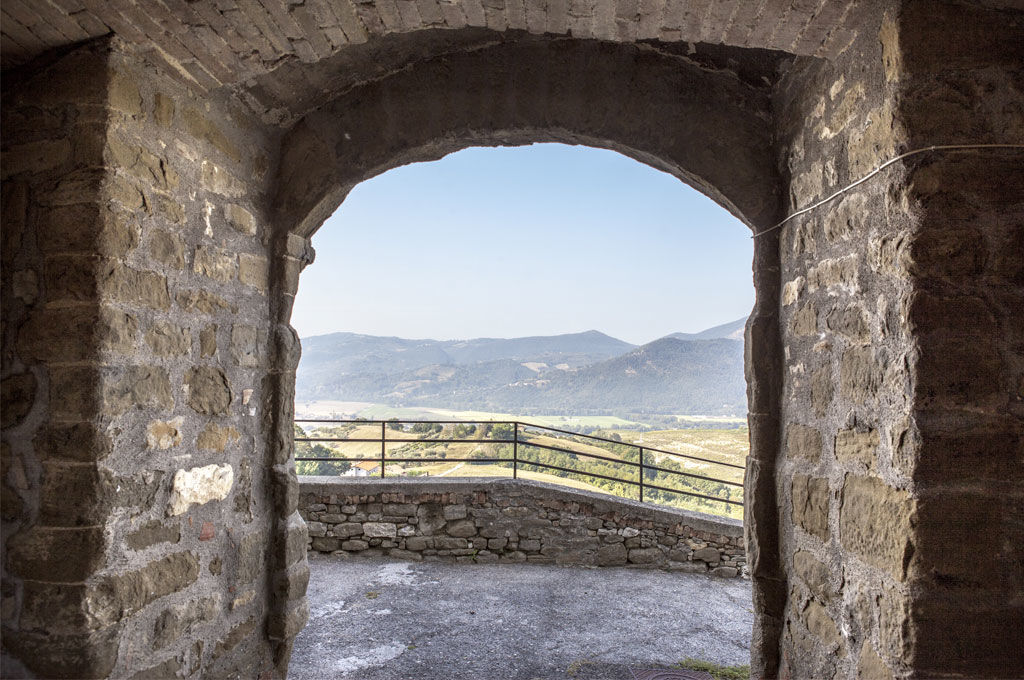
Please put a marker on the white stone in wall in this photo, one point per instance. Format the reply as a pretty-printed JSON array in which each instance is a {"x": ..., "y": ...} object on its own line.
[{"x": 200, "y": 485}]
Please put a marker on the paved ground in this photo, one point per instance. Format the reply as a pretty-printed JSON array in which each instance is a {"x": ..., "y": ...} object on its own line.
[{"x": 403, "y": 621}]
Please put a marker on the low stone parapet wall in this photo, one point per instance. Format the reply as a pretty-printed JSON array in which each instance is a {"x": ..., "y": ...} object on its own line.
[{"x": 504, "y": 520}]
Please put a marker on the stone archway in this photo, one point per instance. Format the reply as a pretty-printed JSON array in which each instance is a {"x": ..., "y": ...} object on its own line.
[
  {"x": 703, "y": 118},
  {"x": 144, "y": 233}
]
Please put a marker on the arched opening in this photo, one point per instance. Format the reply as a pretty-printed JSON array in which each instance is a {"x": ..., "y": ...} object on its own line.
[
  {"x": 394, "y": 263},
  {"x": 704, "y": 124},
  {"x": 563, "y": 286}
]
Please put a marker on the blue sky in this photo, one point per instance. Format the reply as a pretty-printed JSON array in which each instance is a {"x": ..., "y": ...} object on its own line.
[{"x": 533, "y": 240}]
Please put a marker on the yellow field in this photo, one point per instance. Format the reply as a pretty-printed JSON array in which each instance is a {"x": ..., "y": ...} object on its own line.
[
  {"x": 497, "y": 470},
  {"x": 727, "y": 446},
  {"x": 723, "y": 445}
]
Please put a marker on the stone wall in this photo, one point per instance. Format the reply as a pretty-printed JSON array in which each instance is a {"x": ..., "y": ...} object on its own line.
[
  {"x": 901, "y": 392},
  {"x": 484, "y": 520},
  {"x": 161, "y": 184},
  {"x": 140, "y": 515}
]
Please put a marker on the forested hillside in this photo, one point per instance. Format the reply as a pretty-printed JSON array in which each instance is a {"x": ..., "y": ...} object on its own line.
[{"x": 576, "y": 373}]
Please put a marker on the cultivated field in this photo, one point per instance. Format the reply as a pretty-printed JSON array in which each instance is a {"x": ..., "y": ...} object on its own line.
[{"x": 708, "y": 442}]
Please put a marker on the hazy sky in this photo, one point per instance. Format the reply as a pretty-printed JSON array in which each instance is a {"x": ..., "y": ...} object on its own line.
[{"x": 533, "y": 240}]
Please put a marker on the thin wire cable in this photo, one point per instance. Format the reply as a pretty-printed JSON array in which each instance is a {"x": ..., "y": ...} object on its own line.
[{"x": 883, "y": 166}]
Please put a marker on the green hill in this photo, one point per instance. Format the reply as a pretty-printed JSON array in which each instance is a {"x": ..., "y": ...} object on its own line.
[{"x": 580, "y": 373}]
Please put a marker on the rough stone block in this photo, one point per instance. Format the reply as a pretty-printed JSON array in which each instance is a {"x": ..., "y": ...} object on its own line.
[
  {"x": 821, "y": 624},
  {"x": 813, "y": 573},
  {"x": 76, "y": 655},
  {"x": 254, "y": 270},
  {"x": 876, "y": 522},
  {"x": 216, "y": 263},
  {"x": 164, "y": 434},
  {"x": 613, "y": 555},
  {"x": 131, "y": 286},
  {"x": 220, "y": 181},
  {"x": 379, "y": 530},
  {"x": 198, "y": 486},
  {"x": 870, "y": 666},
  {"x": 152, "y": 533},
  {"x": 857, "y": 446},
  {"x": 860, "y": 375},
  {"x": 240, "y": 219},
  {"x": 646, "y": 556},
  {"x": 708, "y": 554},
  {"x": 138, "y": 386},
  {"x": 328, "y": 544},
  {"x": 178, "y": 620},
  {"x": 803, "y": 443},
  {"x": 168, "y": 339},
  {"x": 292, "y": 583},
  {"x": 74, "y": 393},
  {"x": 316, "y": 529},
  {"x": 245, "y": 345},
  {"x": 463, "y": 528},
  {"x": 234, "y": 637},
  {"x": 69, "y": 554},
  {"x": 346, "y": 529},
  {"x": 447, "y": 543},
  {"x": 810, "y": 504},
  {"x": 208, "y": 341},
  {"x": 821, "y": 390},
  {"x": 453, "y": 512},
  {"x": 849, "y": 321},
  {"x": 417, "y": 543},
  {"x": 123, "y": 594},
  {"x": 215, "y": 437},
  {"x": 209, "y": 391}
]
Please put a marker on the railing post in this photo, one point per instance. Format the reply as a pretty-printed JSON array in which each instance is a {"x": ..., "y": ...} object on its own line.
[
  {"x": 641, "y": 474},
  {"x": 383, "y": 446},
  {"x": 515, "y": 450}
]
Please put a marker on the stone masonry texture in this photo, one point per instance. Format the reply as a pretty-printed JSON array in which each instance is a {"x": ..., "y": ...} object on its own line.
[
  {"x": 164, "y": 165},
  {"x": 487, "y": 520}
]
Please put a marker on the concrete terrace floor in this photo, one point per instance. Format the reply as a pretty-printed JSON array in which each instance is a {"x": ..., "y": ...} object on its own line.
[{"x": 424, "y": 620}]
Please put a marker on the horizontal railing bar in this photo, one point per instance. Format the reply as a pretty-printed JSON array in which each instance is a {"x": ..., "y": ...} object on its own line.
[
  {"x": 630, "y": 463},
  {"x": 691, "y": 493},
  {"x": 690, "y": 474},
  {"x": 431, "y": 422},
  {"x": 578, "y": 472},
  {"x": 579, "y": 453},
  {"x": 636, "y": 446},
  {"x": 630, "y": 482},
  {"x": 534, "y": 426},
  {"x": 585, "y": 454},
  {"x": 408, "y": 460},
  {"x": 383, "y": 439},
  {"x": 406, "y": 441}
]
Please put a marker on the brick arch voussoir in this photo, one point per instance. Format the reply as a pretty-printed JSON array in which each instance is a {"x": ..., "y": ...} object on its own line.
[{"x": 704, "y": 126}]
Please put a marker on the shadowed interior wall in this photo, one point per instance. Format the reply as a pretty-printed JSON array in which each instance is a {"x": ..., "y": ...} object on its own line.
[
  {"x": 135, "y": 344},
  {"x": 160, "y": 187},
  {"x": 902, "y": 446}
]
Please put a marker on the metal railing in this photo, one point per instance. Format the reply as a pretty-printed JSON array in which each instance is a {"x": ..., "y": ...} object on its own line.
[{"x": 520, "y": 438}]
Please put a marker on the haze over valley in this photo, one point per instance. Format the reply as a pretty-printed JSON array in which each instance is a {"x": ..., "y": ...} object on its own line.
[{"x": 578, "y": 374}]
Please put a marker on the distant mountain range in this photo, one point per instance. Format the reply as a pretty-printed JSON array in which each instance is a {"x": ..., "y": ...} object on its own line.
[
  {"x": 731, "y": 331},
  {"x": 577, "y": 373}
]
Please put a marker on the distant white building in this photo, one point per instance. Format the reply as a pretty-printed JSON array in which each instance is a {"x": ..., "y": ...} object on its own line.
[{"x": 366, "y": 468}]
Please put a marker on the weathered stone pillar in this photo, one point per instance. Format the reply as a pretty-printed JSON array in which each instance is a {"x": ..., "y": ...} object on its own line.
[
  {"x": 59, "y": 223},
  {"x": 960, "y": 74},
  {"x": 143, "y": 529},
  {"x": 900, "y": 473}
]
